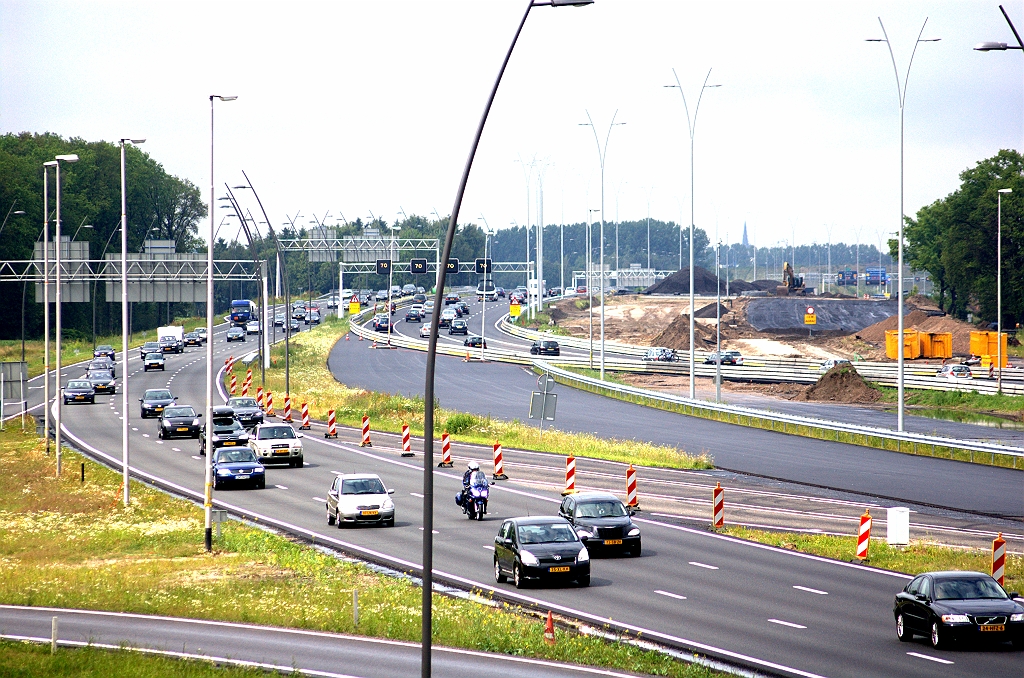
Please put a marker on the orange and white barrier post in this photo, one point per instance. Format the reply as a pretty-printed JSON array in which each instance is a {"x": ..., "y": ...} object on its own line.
[
  {"x": 287, "y": 408},
  {"x": 366, "y": 433},
  {"x": 248, "y": 376},
  {"x": 406, "y": 441},
  {"x": 446, "y": 451},
  {"x": 305, "y": 417},
  {"x": 631, "y": 500},
  {"x": 864, "y": 535},
  {"x": 270, "y": 404},
  {"x": 570, "y": 475},
  {"x": 332, "y": 426},
  {"x": 718, "y": 506},
  {"x": 234, "y": 382},
  {"x": 259, "y": 396},
  {"x": 230, "y": 359},
  {"x": 999, "y": 558},
  {"x": 245, "y": 387},
  {"x": 499, "y": 469}
]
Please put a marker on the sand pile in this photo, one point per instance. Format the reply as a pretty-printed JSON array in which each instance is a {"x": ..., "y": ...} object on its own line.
[
  {"x": 677, "y": 335},
  {"x": 841, "y": 384},
  {"x": 876, "y": 333},
  {"x": 709, "y": 311},
  {"x": 704, "y": 283},
  {"x": 926, "y": 319}
]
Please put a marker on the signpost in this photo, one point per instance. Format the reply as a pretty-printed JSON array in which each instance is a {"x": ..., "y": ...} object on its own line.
[
  {"x": 514, "y": 310},
  {"x": 12, "y": 387},
  {"x": 543, "y": 402},
  {"x": 810, "y": 318}
]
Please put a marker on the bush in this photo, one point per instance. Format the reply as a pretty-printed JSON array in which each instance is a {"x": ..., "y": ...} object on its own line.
[
  {"x": 460, "y": 423},
  {"x": 582, "y": 304}
]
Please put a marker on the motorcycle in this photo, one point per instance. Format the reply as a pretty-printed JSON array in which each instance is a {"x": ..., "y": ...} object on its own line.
[{"x": 473, "y": 499}]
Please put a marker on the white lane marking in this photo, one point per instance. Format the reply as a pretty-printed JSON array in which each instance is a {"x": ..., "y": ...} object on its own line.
[
  {"x": 281, "y": 487},
  {"x": 786, "y": 623},
  {"x": 670, "y": 595},
  {"x": 432, "y": 531},
  {"x": 144, "y": 435},
  {"x": 134, "y": 429},
  {"x": 176, "y": 449},
  {"x": 706, "y": 567},
  {"x": 489, "y": 548},
  {"x": 320, "y": 499},
  {"x": 931, "y": 659},
  {"x": 804, "y": 588},
  {"x": 159, "y": 442},
  {"x": 416, "y": 494},
  {"x": 196, "y": 456}
]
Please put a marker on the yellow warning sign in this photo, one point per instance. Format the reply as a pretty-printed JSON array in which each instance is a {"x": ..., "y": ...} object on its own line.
[
  {"x": 514, "y": 310},
  {"x": 353, "y": 306},
  {"x": 810, "y": 319}
]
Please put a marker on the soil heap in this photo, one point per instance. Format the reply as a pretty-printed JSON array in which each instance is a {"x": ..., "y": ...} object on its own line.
[
  {"x": 709, "y": 311},
  {"x": 841, "y": 384},
  {"x": 677, "y": 334},
  {"x": 704, "y": 283},
  {"x": 927, "y": 318},
  {"x": 765, "y": 285}
]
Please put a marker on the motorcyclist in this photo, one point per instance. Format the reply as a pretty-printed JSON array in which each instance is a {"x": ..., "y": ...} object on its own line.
[{"x": 471, "y": 468}]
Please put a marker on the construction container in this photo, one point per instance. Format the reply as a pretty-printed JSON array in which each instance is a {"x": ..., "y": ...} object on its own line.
[
  {"x": 984, "y": 343},
  {"x": 990, "y": 361},
  {"x": 911, "y": 344},
  {"x": 936, "y": 344}
]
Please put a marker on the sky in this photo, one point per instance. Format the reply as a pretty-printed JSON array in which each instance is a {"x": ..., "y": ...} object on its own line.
[{"x": 347, "y": 109}]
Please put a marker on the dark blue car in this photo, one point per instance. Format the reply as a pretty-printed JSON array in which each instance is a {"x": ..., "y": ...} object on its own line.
[{"x": 237, "y": 466}]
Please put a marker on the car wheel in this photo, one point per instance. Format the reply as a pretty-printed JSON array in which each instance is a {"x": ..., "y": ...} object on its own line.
[
  {"x": 498, "y": 576},
  {"x": 330, "y": 517},
  {"x": 389, "y": 523},
  {"x": 160, "y": 434},
  {"x": 583, "y": 580},
  {"x": 938, "y": 637},
  {"x": 635, "y": 551},
  {"x": 902, "y": 632},
  {"x": 337, "y": 517},
  {"x": 517, "y": 576},
  {"x": 145, "y": 369}
]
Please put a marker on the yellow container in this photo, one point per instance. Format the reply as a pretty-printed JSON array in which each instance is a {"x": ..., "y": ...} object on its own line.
[
  {"x": 936, "y": 344},
  {"x": 984, "y": 343},
  {"x": 911, "y": 344}
]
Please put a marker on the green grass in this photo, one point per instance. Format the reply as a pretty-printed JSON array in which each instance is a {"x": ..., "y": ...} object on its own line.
[
  {"x": 915, "y": 558},
  {"x": 958, "y": 400},
  {"x": 65, "y": 543}
]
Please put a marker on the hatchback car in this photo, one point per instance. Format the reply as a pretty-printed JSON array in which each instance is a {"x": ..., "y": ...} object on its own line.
[
  {"x": 539, "y": 548},
  {"x": 414, "y": 315},
  {"x": 227, "y": 431},
  {"x": 425, "y": 331},
  {"x": 104, "y": 350},
  {"x": 501, "y": 292},
  {"x": 955, "y": 372},
  {"x": 545, "y": 347},
  {"x": 312, "y": 318},
  {"x": 450, "y": 299},
  {"x": 79, "y": 391},
  {"x": 458, "y": 326},
  {"x": 154, "y": 361},
  {"x": 103, "y": 363},
  {"x": 247, "y": 411},
  {"x": 475, "y": 342},
  {"x": 237, "y": 466},
  {"x": 201, "y": 331},
  {"x": 179, "y": 421},
  {"x": 193, "y": 339},
  {"x": 360, "y": 498},
  {"x": 154, "y": 401},
  {"x": 953, "y": 606},
  {"x": 279, "y": 320},
  {"x": 602, "y": 521},
  {"x": 293, "y": 326},
  {"x": 447, "y": 316},
  {"x": 277, "y": 444},
  {"x": 149, "y": 347},
  {"x": 252, "y": 327},
  {"x": 236, "y": 334},
  {"x": 381, "y": 322},
  {"x": 419, "y": 299},
  {"x": 102, "y": 381},
  {"x": 462, "y": 308}
]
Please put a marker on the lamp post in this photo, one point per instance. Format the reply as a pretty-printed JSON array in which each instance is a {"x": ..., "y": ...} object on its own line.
[
  {"x": 483, "y": 307},
  {"x": 1002, "y": 46},
  {"x": 590, "y": 279},
  {"x": 124, "y": 319},
  {"x": 95, "y": 280},
  {"x": 10, "y": 211},
  {"x": 692, "y": 127},
  {"x": 68, "y": 157},
  {"x": 999, "y": 285},
  {"x": 602, "y": 155},
  {"x": 901, "y": 92},
  {"x": 80, "y": 227},
  {"x": 428, "y": 396},
  {"x": 46, "y": 300}
]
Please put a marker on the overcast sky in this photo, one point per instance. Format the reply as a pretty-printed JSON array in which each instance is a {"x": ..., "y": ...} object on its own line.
[{"x": 349, "y": 108}]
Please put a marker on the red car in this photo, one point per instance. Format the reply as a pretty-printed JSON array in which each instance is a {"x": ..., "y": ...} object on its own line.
[{"x": 582, "y": 289}]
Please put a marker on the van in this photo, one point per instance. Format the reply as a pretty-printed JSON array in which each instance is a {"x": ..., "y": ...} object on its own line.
[{"x": 486, "y": 291}]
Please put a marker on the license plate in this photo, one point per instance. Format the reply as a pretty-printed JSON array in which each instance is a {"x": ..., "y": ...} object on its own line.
[
  {"x": 230, "y": 442},
  {"x": 992, "y": 627},
  {"x": 562, "y": 568},
  {"x": 158, "y": 409},
  {"x": 241, "y": 476},
  {"x": 612, "y": 542},
  {"x": 182, "y": 428},
  {"x": 280, "y": 452},
  {"x": 369, "y": 513}
]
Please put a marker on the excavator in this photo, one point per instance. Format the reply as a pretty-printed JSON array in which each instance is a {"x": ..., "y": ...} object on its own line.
[{"x": 792, "y": 284}]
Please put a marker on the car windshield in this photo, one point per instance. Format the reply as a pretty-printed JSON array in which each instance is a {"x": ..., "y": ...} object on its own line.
[
  {"x": 151, "y": 344},
  {"x": 276, "y": 432},
  {"x": 79, "y": 384},
  {"x": 967, "y": 589},
  {"x": 100, "y": 374},
  {"x": 179, "y": 412},
  {"x": 154, "y": 356},
  {"x": 236, "y": 455},
  {"x": 226, "y": 426},
  {"x": 601, "y": 509},
  {"x": 477, "y": 478},
  {"x": 362, "y": 486},
  {"x": 242, "y": 402},
  {"x": 546, "y": 534},
  {"x": 104, "y": 347},
  {"x": 157, "y": 395}
]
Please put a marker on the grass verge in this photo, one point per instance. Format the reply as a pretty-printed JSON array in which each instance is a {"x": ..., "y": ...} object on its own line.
[
  {"x": 958, "y": 400},
  {"x": 916, "y": 558},
  {"x": 66, "y": 543},
  {"x": 313, "y": 384}
]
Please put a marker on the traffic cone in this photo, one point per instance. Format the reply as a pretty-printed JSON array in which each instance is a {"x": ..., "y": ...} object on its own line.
[
  {"x": 466, "y": 359},
  {"x": 549, "y": 629}
]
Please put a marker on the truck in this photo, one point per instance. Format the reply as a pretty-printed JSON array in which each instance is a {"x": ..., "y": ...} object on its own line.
[
  {"x": 242, "y": 311},
  {"x": 172, "y": 339}
]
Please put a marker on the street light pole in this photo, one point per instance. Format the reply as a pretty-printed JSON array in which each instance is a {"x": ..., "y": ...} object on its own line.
[
  {"x": 1002, "y": 46},
  {"x": 46, "y": 301},
  {"x": 69, "y": 157},
  {"x": 483, "y": 306},
  {"x": 999, "y": 285},
  {"x": 124, "y": 323}
]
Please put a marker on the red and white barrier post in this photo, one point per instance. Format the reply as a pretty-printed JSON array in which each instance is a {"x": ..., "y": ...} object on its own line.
[
  {"x": 270, "y": 404},
  {"x": 245, "y": 387},
  {"x": 446, "y": 451},
  {"x": 631, "y": 500},
  {"x": 999, "y": 558},
  {"x": 499, "y": 469},
  {"x": 248, "y": 376},
  {"x": 233, "y": 383},
  {"x": 864, "y": 535},
  {"x": 718, "y": 506},
  {"x": 332, "y": 426},
  {"x": 287, "y": 408},
  {"x": 406, "y": 441},
  {"x": 230, "y": 359},
  {"x": 259, "y": 396},
  {"x": 305, "y": 417},
  {"x": 366, "y": 433},
  {"x": 570, "y": 475}
]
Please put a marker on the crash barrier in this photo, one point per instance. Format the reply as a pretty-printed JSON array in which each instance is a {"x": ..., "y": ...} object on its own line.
[
  {"x": 270, "y": 405},
  {"x": 332, "y": 425},
  {"x": 631, "y": 499},
  {"x": 499, "y": 469},
  {"x": 864, "y": 535},
  {"x": 718, "y": 505},
  {"x": 406, "y": 441},
  {"x": 366, "y": 433},
  {"x": 233, "y": 383},
  {"x": 259, "y": 396},
  {"x": 305, "y": 417},
  {"x": 999, "y": 558},
  {"x": 287, "y": 408},
  {"x": 446, "y": 451},
  {"x": 570, "y": 475}
]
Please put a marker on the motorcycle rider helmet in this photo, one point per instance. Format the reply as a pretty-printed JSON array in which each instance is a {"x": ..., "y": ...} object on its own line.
[{"x": 473, "y": 466}]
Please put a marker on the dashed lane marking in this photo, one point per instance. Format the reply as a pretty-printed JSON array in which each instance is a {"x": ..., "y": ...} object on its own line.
[
  {"x": 786, "y": 623},
  {"x": 196, "y": 456},
  {"x": 281, "y": 487},
  {"x": 176, "y": 449},
  {"x": 804, "y": 588},
  {"x": 670, "y": 594},
  {"x": 489, "y": 548},
  {"x": 144, "y": 435},
  {"x": 320, "y": 499},
  {"x": 706, "y": 567},
  {"x": 416, "y": 494},
  {"x": 929, "y": 658}
]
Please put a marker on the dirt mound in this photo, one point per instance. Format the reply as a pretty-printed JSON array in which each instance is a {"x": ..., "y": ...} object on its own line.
[
  {"x": 922, "y": 303},
  {"x": 766, "y": 285},
  {"x": 841, "y": 384},
  {"x": 926, "y": 319},
  {"x": 709, "y": 311},
  {"x": 704, "y": 282},
  {"x": 737, "y": 286},
  {"x": 557, "y": 313},
  {"x": 876, "y": 333},
  {"x": 677, "y": 335}
]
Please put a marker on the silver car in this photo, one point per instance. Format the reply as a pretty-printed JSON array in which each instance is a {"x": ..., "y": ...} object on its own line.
[{"x": 360, "y": 498}]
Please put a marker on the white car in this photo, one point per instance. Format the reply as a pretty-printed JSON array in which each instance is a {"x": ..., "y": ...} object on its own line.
[
  {"x": 955, "y": 372},
  {"x": 830, "y": 363},
  {"x": 447, "y": 316},
  {"x": 332, "y": 302},
  {"x": 425, "y": 331},
  {"x": 277, "y": 444},
  {"x": 356, "y": 498},
  {"x": 252, "y": 327},
  {"x": 201, "y": 331}
]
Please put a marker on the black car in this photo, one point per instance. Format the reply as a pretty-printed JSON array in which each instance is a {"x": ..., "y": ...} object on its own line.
[
  {"x": 500, "y": 292},
  {"x": 413, "y": 315},
  {"x": 954, "y": 606},
  {"x": 382, "y": 323},
  {"x": 193, "y": 339},
  {"x": 247, "y": 411},
  {"x": 103, "y": 363},
  {"x": 227, "y": 431},
  {"x": 475, "y": 342},
  {"x": 102, "y": 381},
  {"x": 462, "y": 308},
  {"x": 545, "y": 347},
  {"x": 234, "y": 466},
  {"x": 540, "y": 548},
  {"x": 154, "y": 401},
  {"x": 179, "y": 421},
  {"x": 450, "y": 299},
  {"x": 602, "y": 521},
  {"x": 728, "y": 358},
  {"x": 293, "y": 326},
  {"x": 149, "y": 347},
  {"x": 169, "y": 344},
  {"x": 419, "y": 299},
  {"x": 458, "y": 326},
  {"x": 236, "y": 334},
  {"x": 79, "y": 391},
  {"x": 104, "y": 350}
]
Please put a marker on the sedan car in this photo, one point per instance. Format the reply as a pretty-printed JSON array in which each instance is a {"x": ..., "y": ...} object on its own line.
[
  {"x": 227, "y": 431},
  {"x": 545, "y": 347},
  {"x": 247, "y": 411},
  {"x": 539, "y": 548},
  {"x": 953, "y": 606},
  {"x": 235, "y": 466},
  {"x": 154, "y": 361},
  {"x": 293, "y": 326},
  {"x": 277, "y": 444},
  {"x": 252, "y": 327},
  {"x": 201, "y": 331},
  {"x": 169, "y": 344},
  {"x": 312, "y": 318},
  {"x": 602, "y": 521},
  {"x": 154, "y": 401},
  {"x": 179, "y": 421},
  {"x": 726, "y": 358},
  {"x": 103, "y": 363},
  {"x": 104, "y": 350},
  {"x": 360, "y": 498},
  {"x": 102, "y": 381},
  {"x": 414, "y": 315},
  {"x": 193, "y": 339},
  {"x": 381, "y": 322},
  {"x": 425, "y": 331},
  {"x": 475, "y": 342},
  {"x": 79, "y": 391},
  {"x": 458, "y": 326},
  {"x": 447, "y": 316},
  {"x": 236, "y": 334},
  {"x": 450, "y": 299},
  {"x": 279, "y": 320},
  {"x": 419, "y": 299}
]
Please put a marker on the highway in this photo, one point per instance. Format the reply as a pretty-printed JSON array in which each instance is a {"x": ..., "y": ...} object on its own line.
[{"x": 769, "y": 609}]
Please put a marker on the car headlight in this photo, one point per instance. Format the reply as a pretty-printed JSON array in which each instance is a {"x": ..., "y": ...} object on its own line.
[
  {"x": 1017, "y": 617},
  {"x": 195, "y": 422},
  {"x": 258, "y": 469},
  {"x": 635, "y": 532},
  {"x": 955, "y": 619},
  {"x": 584, "y": 534},
  {"x": 388, "y": 504},
  {"x": 243, "y": 437},
  {"x": 584, "y": 556},
  {"x": 223, "y": 472},
  {"x": 528, "y": 558}
]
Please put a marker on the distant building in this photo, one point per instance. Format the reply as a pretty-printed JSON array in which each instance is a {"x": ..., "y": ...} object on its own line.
[{"x": 746, "y": 243}]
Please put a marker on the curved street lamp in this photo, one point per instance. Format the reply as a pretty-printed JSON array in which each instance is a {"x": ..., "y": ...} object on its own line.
[{"x": 1002, "y": 46}]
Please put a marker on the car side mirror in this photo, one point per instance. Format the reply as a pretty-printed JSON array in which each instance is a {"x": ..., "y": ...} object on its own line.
[
  {"x": 174, "y": 398},
  {"x": 298, "y": 435},
  {"x": 140, "y": 400},
  {"x": 921, "y": 597},
  {"x": 200, "y": 414},
  {"x": 1014, "y": 595},
  {"x": 391, "y": 491},
  {"x": 632, "y": 512},
  {"x": 492, "y": 482}
]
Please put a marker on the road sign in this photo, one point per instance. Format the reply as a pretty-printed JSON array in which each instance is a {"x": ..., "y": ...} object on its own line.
[
  {"x": 545, "y": 382},
  {"x": 514, "y": 310},
  {"x": 417, "y": 266},
  {"x": 383, "y": 266},
  {"x": 542, "y": 406},
  {"x": 353, "y": 305},
  {"x": 809, "y": 316},
  {"x": 452, "y": 267},
  {"x": 483, "y": 266}
]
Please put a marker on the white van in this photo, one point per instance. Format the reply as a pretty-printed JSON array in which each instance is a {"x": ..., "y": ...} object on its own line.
[{"x": 486, "y": 289}]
